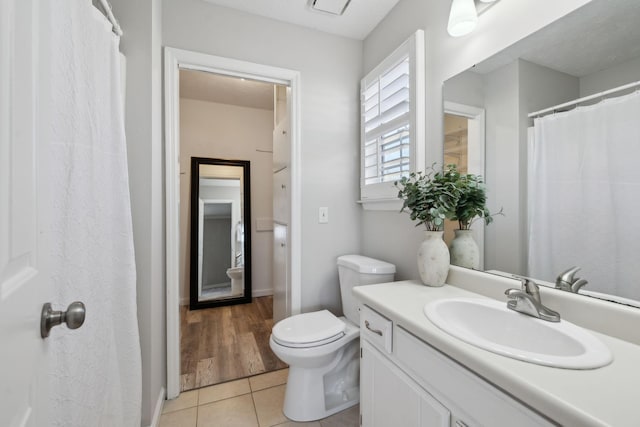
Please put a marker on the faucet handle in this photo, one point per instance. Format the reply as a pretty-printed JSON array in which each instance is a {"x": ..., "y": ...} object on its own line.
[
  {"x": 579, "y": 283},
  {"x": 529, "y": 286},
  {"x": 568, "y": 276}
]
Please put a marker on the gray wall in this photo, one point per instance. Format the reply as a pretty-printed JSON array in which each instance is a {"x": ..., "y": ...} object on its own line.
[
  {"x": 502, "y": 156},
  {"x": 466, "y": 88},
  {"x": 610, "y": 78},
  {"x": 331, "y": 68},
  {"x": 141, "y": 21}
]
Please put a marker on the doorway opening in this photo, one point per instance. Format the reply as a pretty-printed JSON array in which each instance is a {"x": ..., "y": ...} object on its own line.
[
  {"x": 247, "y": 325},
  {"x": 464, "y": 147},
  {"x": 227, "y": 126}
]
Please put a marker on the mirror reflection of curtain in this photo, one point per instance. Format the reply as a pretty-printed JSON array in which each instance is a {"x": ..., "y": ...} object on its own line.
[{"x": 584, "y": 195}]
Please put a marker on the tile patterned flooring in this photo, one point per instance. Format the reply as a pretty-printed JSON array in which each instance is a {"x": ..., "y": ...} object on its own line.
[{"x": 248, "y": 402}]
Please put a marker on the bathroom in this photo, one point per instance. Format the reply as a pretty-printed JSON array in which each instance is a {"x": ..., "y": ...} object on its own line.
[{"x": 330, "y": 67}]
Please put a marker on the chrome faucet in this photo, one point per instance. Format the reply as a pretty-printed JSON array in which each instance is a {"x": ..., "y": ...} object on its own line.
[
  {"x": 527, "y": 301},
  {"x": 567, "y": 281}
]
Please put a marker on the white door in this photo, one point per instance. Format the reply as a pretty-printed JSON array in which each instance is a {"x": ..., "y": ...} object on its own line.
[{"x": 23, "y": 285}]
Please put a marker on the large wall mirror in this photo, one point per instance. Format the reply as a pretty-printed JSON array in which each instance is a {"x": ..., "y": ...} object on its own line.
[
  {"x": 220, "y": 233},
  {"x": 582, "y": 62}
]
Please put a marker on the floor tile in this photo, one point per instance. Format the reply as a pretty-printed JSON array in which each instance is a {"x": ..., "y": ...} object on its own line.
[
  {"x": 270, "y": 379},
  {"x": 185, "y": 400},
  {"x": 182, "y": 418},
  {"x": 235, "y": 412},
  {"x": 269, "y": 403},
  {"x": 223, "y": 391},
  {"x": 347, "y": 418}
]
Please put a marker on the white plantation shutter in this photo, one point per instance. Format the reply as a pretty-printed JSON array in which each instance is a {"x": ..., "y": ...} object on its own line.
[{"x": 392, "y": 139}]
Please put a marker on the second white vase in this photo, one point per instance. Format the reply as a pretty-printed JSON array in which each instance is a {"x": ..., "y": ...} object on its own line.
[
  {"x": 464, "y": 250},
  {"x": 433, "y": 259}
]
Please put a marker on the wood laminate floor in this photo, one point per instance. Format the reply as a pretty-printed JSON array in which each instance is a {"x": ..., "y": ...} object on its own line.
[{"x": 225, "y": 343}]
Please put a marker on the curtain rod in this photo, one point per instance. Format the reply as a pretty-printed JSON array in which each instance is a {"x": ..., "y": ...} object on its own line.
[
  {"x": 586, "y": 98},
  {"x": 112, "y": 19}
]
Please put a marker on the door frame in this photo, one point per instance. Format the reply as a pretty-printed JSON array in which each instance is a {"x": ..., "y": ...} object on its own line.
[
  {"x": 475, "y": 152},
  {"x": 174, "y": 61}
]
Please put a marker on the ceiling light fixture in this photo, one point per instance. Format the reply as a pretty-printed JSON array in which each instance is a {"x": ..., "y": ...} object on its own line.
[{"x": 463, "y": 18}]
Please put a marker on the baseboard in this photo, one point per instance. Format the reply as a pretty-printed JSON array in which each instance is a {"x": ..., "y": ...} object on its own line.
[
  {"x": 155, "y": 421},
  {"x": 261, "y": 292},
  {"x": 255, "y": 293}
]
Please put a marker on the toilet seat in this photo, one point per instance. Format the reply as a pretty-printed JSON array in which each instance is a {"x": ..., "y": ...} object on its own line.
[{"x": 308, "y": 330}]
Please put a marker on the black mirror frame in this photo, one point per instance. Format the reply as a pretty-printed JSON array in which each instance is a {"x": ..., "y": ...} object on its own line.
[{"x": 194, "y": 303}]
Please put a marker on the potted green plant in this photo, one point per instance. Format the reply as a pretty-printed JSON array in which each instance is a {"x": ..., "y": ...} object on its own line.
[
  {"x": 470, "y": 206},
  {"x": 429, "y": 197}
]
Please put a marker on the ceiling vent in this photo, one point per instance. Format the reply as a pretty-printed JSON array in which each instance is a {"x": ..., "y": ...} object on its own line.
[{"x": 334, "y": 7}]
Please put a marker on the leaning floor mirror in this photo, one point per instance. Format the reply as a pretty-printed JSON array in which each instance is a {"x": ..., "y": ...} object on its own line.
[{"x": 220, "y": 233}]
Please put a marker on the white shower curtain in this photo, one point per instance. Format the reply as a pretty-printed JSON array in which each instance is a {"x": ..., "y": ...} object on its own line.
[
  {"x": 95, "y": 371},
  {"x": 584, "y": 195}
]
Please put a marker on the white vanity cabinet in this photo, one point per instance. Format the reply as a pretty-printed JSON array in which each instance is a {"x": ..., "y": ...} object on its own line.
[
  {"x": 405, "y": 382},
  {"x": 388, "y": 397}
]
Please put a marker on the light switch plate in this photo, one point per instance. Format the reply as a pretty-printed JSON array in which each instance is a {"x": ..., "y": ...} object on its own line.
[{"x": 323, "y": 215}]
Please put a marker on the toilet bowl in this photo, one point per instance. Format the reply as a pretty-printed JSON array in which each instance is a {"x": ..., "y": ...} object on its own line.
[{"x": 322, "y": 350}]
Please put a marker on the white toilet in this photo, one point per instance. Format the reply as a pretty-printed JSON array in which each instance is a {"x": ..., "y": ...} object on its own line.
[{"x": 322, "y": 350}]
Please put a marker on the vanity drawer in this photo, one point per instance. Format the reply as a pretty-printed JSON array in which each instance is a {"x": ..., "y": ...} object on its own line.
[
  {"x": 472, "y": 400},
  {"x": 376, "y": 328}
]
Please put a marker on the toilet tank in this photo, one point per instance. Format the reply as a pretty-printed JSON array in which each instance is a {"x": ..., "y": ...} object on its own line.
[{"x": 358, "y": 270}]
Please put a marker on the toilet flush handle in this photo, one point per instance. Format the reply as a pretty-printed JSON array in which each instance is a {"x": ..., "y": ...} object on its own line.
[{"x": 375, "y": 331}]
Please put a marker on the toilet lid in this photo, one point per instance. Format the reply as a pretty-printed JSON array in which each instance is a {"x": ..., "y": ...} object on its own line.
[{"x": 308, "y": 329}]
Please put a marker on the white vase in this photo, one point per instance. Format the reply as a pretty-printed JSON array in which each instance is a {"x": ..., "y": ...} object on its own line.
[
  {"x": 464, "y": 250},
  {"x": 433, "y": 259}
]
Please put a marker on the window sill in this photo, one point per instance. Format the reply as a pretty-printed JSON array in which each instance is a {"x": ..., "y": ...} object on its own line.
[{"x": 387, "y": 204}]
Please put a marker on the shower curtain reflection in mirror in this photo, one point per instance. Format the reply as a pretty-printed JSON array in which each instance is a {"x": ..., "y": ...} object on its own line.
[
  {"x": 220, "y": 258},
  {"x": 584, "y": 195}
]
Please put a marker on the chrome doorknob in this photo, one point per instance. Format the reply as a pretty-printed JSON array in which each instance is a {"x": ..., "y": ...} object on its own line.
[{"x": 73, "y": 317}]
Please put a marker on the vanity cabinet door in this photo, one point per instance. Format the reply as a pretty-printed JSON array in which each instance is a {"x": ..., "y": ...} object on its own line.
[{"x": 388, "y": 397}]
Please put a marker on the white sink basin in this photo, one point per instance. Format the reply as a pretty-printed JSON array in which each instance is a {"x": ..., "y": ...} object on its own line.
[{"x": 490, "y": 325}]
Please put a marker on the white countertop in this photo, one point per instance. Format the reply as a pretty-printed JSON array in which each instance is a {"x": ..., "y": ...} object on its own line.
[{"x": 607, "y": 396}]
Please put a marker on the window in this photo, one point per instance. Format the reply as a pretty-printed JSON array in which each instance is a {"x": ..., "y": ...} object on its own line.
[{"x": 392, "y": 123}]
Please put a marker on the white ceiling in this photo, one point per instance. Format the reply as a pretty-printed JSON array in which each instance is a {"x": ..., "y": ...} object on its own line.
[
  {"x": 599, "y": 35},
  {"x": 358, "y": 20},
  {"x": 212, "y": 87}
]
